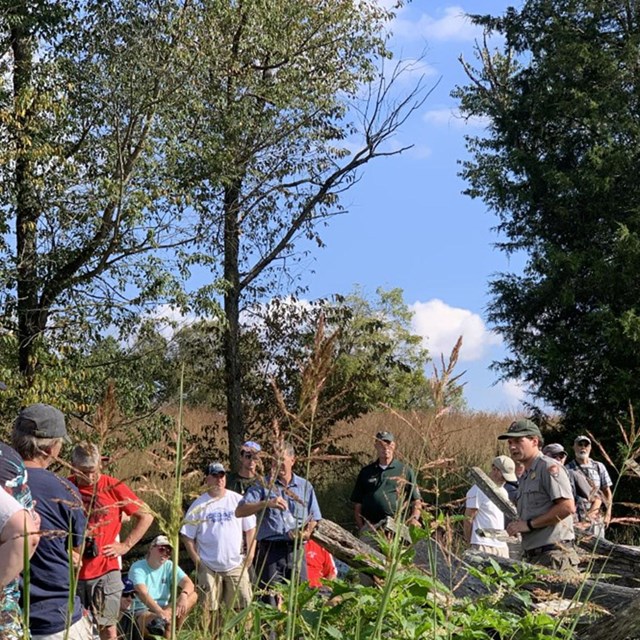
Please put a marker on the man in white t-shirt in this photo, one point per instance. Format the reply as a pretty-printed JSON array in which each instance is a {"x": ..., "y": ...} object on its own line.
[
  {"x": 481, "y": 513},
  {"x": 213, "y": 537}
]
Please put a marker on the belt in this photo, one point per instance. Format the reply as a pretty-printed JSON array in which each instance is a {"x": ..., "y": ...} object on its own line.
[
  {"x": 277, "y": 543},
  {"x": 557, "y": 546}
]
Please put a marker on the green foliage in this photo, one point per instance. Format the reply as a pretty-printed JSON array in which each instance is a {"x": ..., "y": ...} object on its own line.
[
  {"x": 376, "y": 358},
  {"x": 558, "y": 168},
  {"x": 84, "y": 197},
  {"x": 409, "y": 612}
]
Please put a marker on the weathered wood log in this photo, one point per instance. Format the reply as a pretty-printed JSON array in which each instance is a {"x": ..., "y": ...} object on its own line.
[
  {"x": 623, "y": 603},
  {"x": 619, "y": 564},
  {"x": 605, "y": 595},
  {"x": 346, "y": 547},
  {"x": 623, "y": 623}
]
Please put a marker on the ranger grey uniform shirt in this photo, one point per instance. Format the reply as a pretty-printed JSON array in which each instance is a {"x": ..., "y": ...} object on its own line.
[{"x": 545, "y": 481}]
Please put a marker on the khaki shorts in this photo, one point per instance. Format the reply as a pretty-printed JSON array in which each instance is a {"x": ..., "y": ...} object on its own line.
[
  {"x": 231, "y": 587},
  {"x": 502, "y": 552},
  {"x": 81, "y": 630},
  {"x": 102, "y": 597}
]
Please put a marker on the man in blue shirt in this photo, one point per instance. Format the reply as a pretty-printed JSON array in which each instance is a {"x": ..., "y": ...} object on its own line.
[
  {"x": 289, "y": 512},
  {"x": 38, "y": 434}
]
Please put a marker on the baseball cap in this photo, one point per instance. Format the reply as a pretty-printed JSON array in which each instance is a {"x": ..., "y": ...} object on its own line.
[
  {"x": 127, "y": 585},
  {"x": 385, "y": 436},
  {"x": 553, "y": 449},
  {"x": 520, "y": 428},
  {"x": 161, "y": 541},
  {"x": 582, "y": 439},
  {"x": 215, "y": 467},
  {"x": 507, "y": 467},
  {"x": 252, "y": 446},
  {"x": 41, "y": 421}
]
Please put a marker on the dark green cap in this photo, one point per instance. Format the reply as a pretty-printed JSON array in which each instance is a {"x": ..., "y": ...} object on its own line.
[{"x": 521, "y": 428}]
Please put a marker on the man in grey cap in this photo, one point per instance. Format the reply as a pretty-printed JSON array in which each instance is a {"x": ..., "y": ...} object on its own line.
[
  {"x": 38, "y": 434},
  {"x": 599, "y": 497},
  {"x": 545, "y": 502},
  {"x": 386, "y": 487}
]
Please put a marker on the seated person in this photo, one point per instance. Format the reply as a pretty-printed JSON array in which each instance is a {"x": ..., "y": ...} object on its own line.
[
  {"x": 152, "y": 580},
  {"x": 320, "y": 564},
  {"x": 127, "y": 627}
]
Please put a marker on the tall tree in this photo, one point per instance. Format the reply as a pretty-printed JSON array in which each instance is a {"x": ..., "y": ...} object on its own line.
[
  {"x": 376, "y": 358},
  {"x": 83, "y": 193},
  {"x": 559, "y": 167},
  {"x": 280, "y": 99}
]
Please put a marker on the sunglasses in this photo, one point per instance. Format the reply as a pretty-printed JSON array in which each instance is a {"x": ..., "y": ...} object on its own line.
[
  {"x": 248, "y": 454},
  {"x": 558, "y": 456},
  {"x": 127, "y": 595},
  {"x": 164, "y": 549},
  {"x": 222, "y": 474}
]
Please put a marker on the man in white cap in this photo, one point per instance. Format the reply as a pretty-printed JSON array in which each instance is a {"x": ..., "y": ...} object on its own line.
[
  {"x": 247, "y": 469},
  {"x": 590, "y": 509},
  {"x": 152, "y": 578},
  {"x": 214, "y": 539},
  {"x": 482, "y": 515}
]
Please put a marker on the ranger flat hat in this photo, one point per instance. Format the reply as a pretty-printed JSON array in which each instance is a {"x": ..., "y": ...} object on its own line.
[{"x": 520, "y": 428}]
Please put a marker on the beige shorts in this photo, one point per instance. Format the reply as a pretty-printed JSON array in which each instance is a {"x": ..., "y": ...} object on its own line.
[
  {"x": 502, "y": 552},
  {"x": 81, "y": 630},
  {"x": 231, "y": 587}
]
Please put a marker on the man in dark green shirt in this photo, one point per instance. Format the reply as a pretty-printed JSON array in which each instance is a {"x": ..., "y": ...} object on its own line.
[{"x": 386, "y": 487}]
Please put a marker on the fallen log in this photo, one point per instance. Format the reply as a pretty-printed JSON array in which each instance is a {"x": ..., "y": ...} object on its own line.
[
  {"x": 605, "y": 595},
  {"x": 454, "y": 574},
  {"x": 619, "y": 564},
  {"x": 346, "y": 547}
]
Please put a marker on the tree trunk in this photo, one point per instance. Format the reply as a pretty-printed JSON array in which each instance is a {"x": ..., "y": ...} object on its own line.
[
  {"x": 26, "y": 208},
  {"x": 233, "y": 369}
]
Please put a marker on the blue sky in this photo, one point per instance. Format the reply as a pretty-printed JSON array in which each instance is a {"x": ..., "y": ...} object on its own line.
[{"x": 409, "y": 225}]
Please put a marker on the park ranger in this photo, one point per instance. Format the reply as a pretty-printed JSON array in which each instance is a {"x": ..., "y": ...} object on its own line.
[{"x": 545, "y": 502}]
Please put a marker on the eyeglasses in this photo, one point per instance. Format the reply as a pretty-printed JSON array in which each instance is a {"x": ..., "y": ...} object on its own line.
[{"x": 164, "y": 549}]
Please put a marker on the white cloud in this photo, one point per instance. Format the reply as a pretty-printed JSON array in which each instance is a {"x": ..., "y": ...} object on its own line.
[
  {"x": 413, "y": 68},
  {"x": 452, "y": 24},
  {"x": 514, "y": 392},
  {"x": 440, "y": 326},
  {"x": 451, "y": 117},
  {"x": 169, "y": 320}
]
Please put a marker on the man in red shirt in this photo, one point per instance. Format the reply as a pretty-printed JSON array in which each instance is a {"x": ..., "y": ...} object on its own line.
[{"x": 106, "y": 500}]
